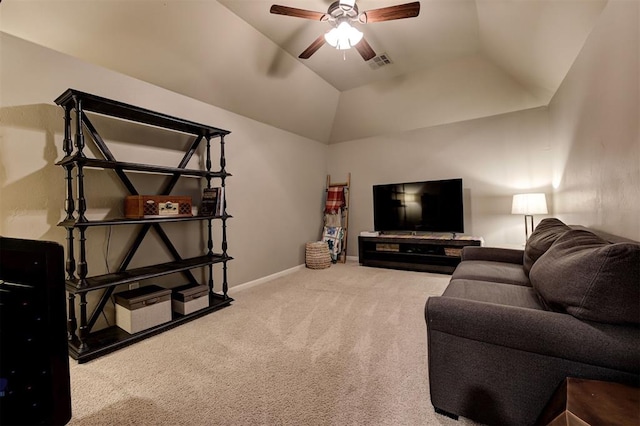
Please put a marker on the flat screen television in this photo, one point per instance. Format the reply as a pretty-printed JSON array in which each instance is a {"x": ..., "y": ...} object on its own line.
[{"x": 430, "y": 206}]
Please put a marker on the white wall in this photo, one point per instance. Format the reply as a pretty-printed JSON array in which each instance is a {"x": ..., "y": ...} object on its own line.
[
  {"x": 595, "y": 117},
  {"x": 496, "y": 157},
  {"x": 275, "y": 194}
]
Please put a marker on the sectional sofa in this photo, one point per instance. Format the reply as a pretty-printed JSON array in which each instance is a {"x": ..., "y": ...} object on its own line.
[{"x": 512, "y": 324}]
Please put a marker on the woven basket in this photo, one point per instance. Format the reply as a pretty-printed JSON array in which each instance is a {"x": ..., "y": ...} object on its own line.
[
  {"x": 317, "y": 255},
  {"x": 453, "y": 251}
]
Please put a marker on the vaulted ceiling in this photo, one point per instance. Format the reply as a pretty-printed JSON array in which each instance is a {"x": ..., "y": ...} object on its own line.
[
  {"x": 533, "y": 40},
  {"x": 458, "y": 60}
]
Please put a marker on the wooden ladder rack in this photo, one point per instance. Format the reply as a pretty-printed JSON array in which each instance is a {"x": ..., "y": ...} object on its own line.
[{"x": 345, "y": 212}]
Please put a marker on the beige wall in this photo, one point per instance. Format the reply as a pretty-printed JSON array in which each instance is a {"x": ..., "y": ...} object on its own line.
[
  {"x": 584, "y": 147},
  {"x": 496, "y": 157},
  {"x": 464, "y": 89},
  {"x": 200, "y": 49},
  {"x": 583, "y": 151},
  {"x": 594, "y": 119},
  {"x": 275, "y": 194}
]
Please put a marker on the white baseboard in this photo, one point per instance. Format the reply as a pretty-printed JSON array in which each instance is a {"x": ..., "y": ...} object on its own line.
[
  {"x": 263, "y": 280},
  {"x": 271, "y": 277}
]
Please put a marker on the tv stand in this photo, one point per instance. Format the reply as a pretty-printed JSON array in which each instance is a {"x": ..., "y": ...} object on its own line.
[{"x": 427, "y": 253}]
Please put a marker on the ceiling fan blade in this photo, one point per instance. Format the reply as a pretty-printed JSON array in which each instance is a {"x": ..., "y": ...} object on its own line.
[
  {"x": 296, "y": 13},
  {"x": 313, "y": 48},
  {"x": 401, "y": 11},
  {"x": 365, "y": 50}
]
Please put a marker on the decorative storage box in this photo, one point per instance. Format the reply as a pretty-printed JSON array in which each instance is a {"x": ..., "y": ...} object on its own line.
[
  {"x": 190, "y": 298},
  {"x": 143, "y": 308},
  {"x": 139, "y": 206}
]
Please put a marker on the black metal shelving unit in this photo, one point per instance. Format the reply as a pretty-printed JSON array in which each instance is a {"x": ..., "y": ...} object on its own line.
[{"x": 84, "y": 343}]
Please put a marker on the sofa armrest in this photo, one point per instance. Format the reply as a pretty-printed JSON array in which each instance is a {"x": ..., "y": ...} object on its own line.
[
  {"x": 537, "y": 331},
  {"x": 494, "y": 254}
]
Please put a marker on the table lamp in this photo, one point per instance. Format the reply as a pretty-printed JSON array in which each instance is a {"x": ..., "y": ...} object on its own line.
[{"x": 528, "y": 205}]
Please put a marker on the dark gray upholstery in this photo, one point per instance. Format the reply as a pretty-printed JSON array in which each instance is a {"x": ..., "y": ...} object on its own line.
[
  {"x": 589, "y": 278},
  {"x": 494, "y": 254},
  {"x": 498, "y": 385},
  {"x": 545, "y": 234},
  {"x": 486, "y": 270},
  {"x": 484, "y": 291},
  {"x": 497, "y": 352},
  {"x": 534, "y": 330}
]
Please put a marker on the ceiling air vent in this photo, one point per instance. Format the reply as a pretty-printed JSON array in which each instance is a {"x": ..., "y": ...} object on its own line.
[{"x": 380, "y": 61}]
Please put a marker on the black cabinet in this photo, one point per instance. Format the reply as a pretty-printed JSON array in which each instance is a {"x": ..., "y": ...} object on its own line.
[
  {"x": 414, "y": 252},
  {"x": 84, "y": 342},
  {"x": 34, "y": 365}
]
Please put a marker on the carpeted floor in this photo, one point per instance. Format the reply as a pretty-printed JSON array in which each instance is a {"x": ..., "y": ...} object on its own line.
[{"x": 339, "y": 346}]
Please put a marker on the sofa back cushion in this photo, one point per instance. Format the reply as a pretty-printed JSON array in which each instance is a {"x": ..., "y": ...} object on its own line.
[
  {"x": 547, "y": 231},
  {"x": 590, "y": 278}
]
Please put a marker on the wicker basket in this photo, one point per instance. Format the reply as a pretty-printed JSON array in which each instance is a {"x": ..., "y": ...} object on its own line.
[
  {"x": 317, "y": 255},
  {"x": 453, "y": 251}
]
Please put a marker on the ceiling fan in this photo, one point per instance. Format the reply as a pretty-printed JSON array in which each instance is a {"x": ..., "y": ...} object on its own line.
[{"x": 341, "y": 14}]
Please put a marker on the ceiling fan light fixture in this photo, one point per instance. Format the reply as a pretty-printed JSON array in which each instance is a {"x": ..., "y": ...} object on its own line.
[
  {"x": 343, "y": 37},
  {"x": 340, "y": 13},
  {"x": 346, "y": 4}
]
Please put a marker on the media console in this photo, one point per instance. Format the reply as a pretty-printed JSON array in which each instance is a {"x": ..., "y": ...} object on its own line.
[{"x": 428, "y": 253}]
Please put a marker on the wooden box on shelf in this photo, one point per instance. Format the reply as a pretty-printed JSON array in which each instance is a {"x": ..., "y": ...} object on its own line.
[{"x": 140, "y": 206}]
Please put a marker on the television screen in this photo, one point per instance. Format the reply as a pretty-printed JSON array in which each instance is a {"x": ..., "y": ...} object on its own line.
[{"x": 431, "y": 206}]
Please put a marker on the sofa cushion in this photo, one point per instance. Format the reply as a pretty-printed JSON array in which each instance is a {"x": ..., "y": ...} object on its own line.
[
  {"x": 589, "y": 278},
  {"x": 495, "y": 254},
  {"x": 486, "y": 270},
  {"x": 491, "y": 292},
  {"x": 547, "y": 231}
]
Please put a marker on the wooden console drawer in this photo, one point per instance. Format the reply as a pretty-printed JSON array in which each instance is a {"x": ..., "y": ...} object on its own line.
[{"x": 592, "y": 402}]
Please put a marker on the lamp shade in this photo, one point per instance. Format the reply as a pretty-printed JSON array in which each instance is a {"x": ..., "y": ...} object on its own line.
[{"x": 529, "y": 204}]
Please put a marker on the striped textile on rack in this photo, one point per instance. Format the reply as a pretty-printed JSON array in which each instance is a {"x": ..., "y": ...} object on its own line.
[{"x": 335, "y": 199}]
